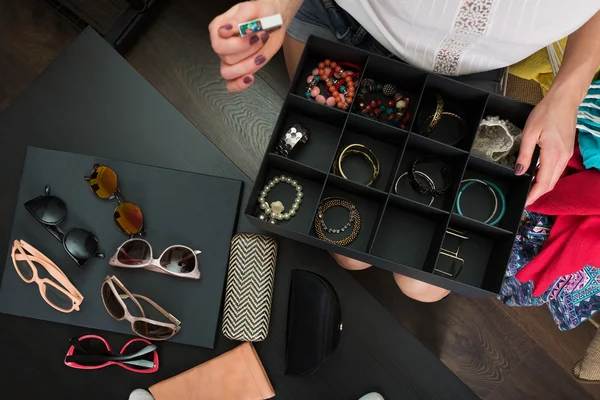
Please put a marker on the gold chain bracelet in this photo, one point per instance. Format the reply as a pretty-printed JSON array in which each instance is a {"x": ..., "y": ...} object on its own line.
[{"x": 354, "y": 216}]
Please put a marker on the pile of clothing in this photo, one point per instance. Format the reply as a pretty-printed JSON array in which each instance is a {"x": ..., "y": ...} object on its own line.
[
  {"x": 558, "y": 243},
  {"x": 571, "y": 298}
]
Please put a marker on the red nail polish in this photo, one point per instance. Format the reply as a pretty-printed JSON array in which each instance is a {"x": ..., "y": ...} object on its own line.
[
  {"x": 247, "y": 80},
  {"x": 253, "y": 39},
  {"x": 227, "y": 27}
]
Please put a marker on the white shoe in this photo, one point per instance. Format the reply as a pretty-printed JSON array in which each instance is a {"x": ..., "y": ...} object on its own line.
[
  {"x": 140, "y": 394},
  {"x": 372, "y": 396}
]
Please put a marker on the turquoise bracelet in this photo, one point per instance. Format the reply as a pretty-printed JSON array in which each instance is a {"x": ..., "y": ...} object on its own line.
[{"x": 493, "y": 189}]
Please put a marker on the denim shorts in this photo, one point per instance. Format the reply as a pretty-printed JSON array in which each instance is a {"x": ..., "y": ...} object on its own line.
[{"x": 324, "y": 18}]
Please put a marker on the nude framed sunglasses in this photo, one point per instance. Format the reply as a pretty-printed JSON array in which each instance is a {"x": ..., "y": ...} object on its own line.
[
  {"x": 59, "y": 293},
  {"x": 176, "y": 260},
  {"x": 147, "y": 328}
]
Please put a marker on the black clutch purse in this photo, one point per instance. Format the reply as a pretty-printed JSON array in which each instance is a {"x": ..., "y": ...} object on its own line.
[{"x": 314, "y": 323}]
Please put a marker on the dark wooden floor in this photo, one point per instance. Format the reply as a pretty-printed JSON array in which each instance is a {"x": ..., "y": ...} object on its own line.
[{"x": 500, "y": 352}]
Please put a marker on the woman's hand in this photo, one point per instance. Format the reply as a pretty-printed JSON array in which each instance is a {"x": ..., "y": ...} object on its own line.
[
  {"x": 551, "y": 125},
  {"x": 241, "y": 57}
]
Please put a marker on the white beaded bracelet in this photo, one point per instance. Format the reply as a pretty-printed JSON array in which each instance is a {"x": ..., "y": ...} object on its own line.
[{"x": 275, "y": 211}]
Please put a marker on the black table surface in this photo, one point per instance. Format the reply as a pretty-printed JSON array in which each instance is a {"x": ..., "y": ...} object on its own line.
[{"x": 91, "y": 101}]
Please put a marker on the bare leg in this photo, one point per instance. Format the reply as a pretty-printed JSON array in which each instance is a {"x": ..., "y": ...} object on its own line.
[
  {"x": 418, "y": 290},
  {"x": 292, "y": 50},
  {"x": 349, "y": 263},
  {"x": 413, "y": 288}
]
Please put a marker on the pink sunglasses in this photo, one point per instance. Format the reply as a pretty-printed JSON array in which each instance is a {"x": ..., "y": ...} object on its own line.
[
  {"x": 58, "y": 292},
  {"x": 94, "y": 352},
  {"x": 176, "y": 260}
]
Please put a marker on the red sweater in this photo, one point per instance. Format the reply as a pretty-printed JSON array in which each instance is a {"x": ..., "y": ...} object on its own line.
[{"x": 574, "y": 240}]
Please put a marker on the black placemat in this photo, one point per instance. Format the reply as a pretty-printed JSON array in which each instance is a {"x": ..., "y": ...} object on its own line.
[{"x": 195, "y": 210}]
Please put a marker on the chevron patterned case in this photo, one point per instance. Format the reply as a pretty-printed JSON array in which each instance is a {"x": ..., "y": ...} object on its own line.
[{"x": 249, "y": 288}]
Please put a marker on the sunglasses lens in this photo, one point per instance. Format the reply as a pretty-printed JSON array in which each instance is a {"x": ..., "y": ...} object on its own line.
[
  {"x": 152, "y": 331},
  {"x": 129, "y": 218},
  {"x": 134, "y": 252},
  {"x": 58, "y": 298},
  {"x": 50, "y": 209},
  {"x": 91, "y": 346},
  {"x": 179, "y": 259},
  {"x": 103, "y": 182},
  {"x": 81, "y": 244},
  {"x": 25, "y": 270},
  {"x": 112, "y": 304}
]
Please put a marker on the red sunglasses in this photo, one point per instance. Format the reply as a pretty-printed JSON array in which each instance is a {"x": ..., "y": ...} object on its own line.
[{"x": 94, "y": 352}]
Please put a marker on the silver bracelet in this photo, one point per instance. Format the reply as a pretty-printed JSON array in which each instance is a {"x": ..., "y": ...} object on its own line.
[
  {"x": 422, "y": 175},
  {"x": 297, "y": 134}
]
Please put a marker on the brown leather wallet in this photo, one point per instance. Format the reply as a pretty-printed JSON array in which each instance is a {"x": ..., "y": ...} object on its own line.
[{"x": 236, "y": 375}]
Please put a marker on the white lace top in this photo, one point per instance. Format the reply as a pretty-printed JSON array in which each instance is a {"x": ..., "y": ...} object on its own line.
[{"x": 457, "y": 37}]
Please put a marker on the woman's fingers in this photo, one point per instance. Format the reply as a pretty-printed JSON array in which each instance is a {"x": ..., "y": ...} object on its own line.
[
  {"x": 241, "y": 83},
  {"x": 236, "y": 45},
  {"x": 547, "y": 176},
  {"x": 529, "y": 140},
  {"x": 251, "y": 64},
  {"x": 225, "y": 25},
  {"x": 224, "y": 28},
  {"x": 253, "y": 44}
]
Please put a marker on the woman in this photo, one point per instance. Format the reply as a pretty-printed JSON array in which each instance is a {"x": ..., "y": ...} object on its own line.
[{"x": 451, "y": 37}]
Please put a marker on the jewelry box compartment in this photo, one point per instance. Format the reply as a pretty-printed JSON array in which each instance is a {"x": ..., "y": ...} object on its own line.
[
  {"x": 305, "y": 180},
  {"x": 369, "y": 204},
  {"x": 393, "y": 87},
  {"x": 438, "y": 164},
  {"x": 384, "y": 142},
  {"x": 324, "y": 125},
  {"x": 401, "y": 184},
  {"x": 474, "y": 256},
  {"x": 449, "y": 112},
  {"x": 504, "y": 111},
  {"x": 494, "y": 200},
  {"x": 317, "y": 51},
  {"x": 409, "y": 234}
]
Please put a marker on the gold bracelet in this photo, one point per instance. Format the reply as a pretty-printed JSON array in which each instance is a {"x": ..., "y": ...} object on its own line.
[
  {"x": 437, "y": 115},
  {"x": 353, "y": 218},
  {"x": 458, "y": 117},
  {"x": 361, "y": 150}
]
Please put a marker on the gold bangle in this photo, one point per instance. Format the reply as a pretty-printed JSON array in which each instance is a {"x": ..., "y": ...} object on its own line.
[
  {"x": 458, "y": 117},
  {"x": 361, "y": 150},
  {"x": 354, "y": 217},
  {"x": 437, "y": 115}
]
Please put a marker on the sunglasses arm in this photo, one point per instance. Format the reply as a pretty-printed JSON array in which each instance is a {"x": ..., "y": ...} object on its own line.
[
  {"x": 112, "y": 281},
  {"x": 140, "y": 363},
  {"x": 37, "y": 256},
  {"x": 194, "y": 254},
  {"x": 164, "y": 312},
  {"x": 77, "y": 345}
]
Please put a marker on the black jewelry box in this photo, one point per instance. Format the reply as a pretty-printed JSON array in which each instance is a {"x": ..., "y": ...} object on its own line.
[{"x": 399, "y": 232}]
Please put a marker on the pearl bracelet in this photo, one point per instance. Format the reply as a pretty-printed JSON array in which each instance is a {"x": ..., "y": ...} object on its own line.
[{"x": 275, "y": 211}]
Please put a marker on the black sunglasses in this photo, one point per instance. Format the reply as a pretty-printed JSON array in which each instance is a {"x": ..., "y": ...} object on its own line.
[{"x": 51, "y": 211}]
